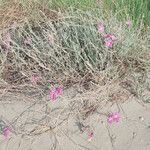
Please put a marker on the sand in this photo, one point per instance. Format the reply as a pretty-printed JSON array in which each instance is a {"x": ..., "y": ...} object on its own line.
[{"x": 131, "y": 133}]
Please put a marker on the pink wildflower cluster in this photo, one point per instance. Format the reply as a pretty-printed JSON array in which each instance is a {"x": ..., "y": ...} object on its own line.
[
  {"x": 113, "y": 117},
  {"x": 55, "y": 92},
  {"x": 6, "y": 132},
  {"x": 108, "y": 38}
]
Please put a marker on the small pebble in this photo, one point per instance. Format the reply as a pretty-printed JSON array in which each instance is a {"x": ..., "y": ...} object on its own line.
[
  {"x": 102, "y": 122},
  {"x": 141, "y": 118},
  {"x": 134, "y": 134},
  {"x": 113, "y": 137}
]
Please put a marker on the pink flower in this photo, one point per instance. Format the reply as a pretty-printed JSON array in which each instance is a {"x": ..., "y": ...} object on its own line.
[
  {"x": 129, "y": 23},
  {"x": 55, "y": 92},
  {"x": 100, "y": 28},
  {"x": 109, "y": 43},
  {"x": 90, "y": 136},
  {"x": 113, "y": 117},
  {"x": 6, "y": 132},
  {"x": 116, "y": 117},
  {"x": 110, "y": 37},
  {"x": 109, "y": 40},
  {"x": 28, "y": 41},
  {"x": 110, "y": 120}
]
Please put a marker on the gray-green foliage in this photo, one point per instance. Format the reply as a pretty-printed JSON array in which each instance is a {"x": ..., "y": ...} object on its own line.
[{"x": 73, "y": 43}]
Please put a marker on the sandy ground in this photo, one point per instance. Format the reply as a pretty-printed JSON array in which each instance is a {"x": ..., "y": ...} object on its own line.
[{"x": 131, "y": 133}]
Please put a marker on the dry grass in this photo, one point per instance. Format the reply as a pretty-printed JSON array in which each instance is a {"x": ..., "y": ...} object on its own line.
[
  {"x": 58, "y": 57},
  {"x": 66, "y": 49},
  {"x": 75, "y": 103},
  {"x": 17, "y": 11}
]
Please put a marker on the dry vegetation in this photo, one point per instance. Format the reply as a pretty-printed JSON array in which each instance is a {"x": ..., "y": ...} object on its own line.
[{"x": 64, "y": 48}]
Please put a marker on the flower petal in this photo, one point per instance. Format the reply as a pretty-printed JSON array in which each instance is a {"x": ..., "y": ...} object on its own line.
[
  {"x": 109, "y": 44},
  {"x": 100, "y": 27},
  {"x": 110, "y": 120},
  {"x": 6, "y": 132}
]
